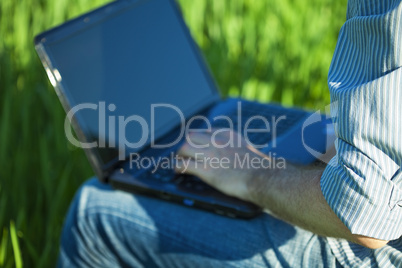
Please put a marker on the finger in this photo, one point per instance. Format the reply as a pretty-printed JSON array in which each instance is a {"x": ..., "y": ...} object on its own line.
[
  {"x": 227, "y": 136},
  {"x": 196, "y": 168},
  {"x": 199, "y": 139},
  {"x": 188, "y": 151},
  {"x": 226, "y": 132}
]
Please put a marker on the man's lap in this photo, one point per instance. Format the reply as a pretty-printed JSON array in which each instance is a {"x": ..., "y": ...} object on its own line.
[{"x": 107, "y": 228}]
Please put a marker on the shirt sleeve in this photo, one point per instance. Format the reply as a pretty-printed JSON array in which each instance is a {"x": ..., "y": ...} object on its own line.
[
  {"x": 366, "y": 200},
  {"x": 363, "y": 182}
]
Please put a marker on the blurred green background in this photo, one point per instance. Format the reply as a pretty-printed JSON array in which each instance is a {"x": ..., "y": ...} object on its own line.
[{"x": 269, "y": 50}]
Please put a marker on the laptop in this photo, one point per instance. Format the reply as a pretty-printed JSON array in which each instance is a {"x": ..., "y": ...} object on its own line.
[{"x": 133, "y": 81}]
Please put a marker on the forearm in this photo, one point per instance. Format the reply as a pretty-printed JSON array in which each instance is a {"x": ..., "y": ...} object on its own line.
[{"x": 294, "y": 195}]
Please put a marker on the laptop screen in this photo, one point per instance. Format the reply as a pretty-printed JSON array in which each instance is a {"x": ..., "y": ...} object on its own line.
[{"x": 117, "y": 64}]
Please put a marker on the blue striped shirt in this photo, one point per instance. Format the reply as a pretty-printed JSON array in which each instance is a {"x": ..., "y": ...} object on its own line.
[{"x": 363, "y": 182}]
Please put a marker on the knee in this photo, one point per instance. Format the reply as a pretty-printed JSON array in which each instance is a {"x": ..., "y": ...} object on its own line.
[
  {"x": 81, "y": 230},
  {"x": 78, "y": 207}
]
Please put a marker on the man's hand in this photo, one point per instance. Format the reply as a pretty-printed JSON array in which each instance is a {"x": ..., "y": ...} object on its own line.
[
  {"x": 216, "y": 157},
  {"x": 292, "y": 194}
]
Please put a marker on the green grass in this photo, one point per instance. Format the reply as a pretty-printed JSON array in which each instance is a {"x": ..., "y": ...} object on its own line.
[{"x": 276, "y": 50}]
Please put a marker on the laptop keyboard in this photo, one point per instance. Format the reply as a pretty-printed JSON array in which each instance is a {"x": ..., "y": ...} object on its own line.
[
  {"x": 271, "y": 113},
  {"x": 165, "y": 175}
]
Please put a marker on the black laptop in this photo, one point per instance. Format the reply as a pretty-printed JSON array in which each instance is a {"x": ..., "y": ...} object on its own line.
[{"x": 132, "y": 81}]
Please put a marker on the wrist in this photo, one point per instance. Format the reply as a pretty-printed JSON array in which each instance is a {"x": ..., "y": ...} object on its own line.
[{"x": 257, "y": 185}]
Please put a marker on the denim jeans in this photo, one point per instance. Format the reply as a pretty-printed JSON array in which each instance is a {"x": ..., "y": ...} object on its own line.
[{"x": 109, "y": 228}]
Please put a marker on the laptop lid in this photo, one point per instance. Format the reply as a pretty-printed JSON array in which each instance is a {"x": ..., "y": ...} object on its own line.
[{"x": 125, "y": 73}]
